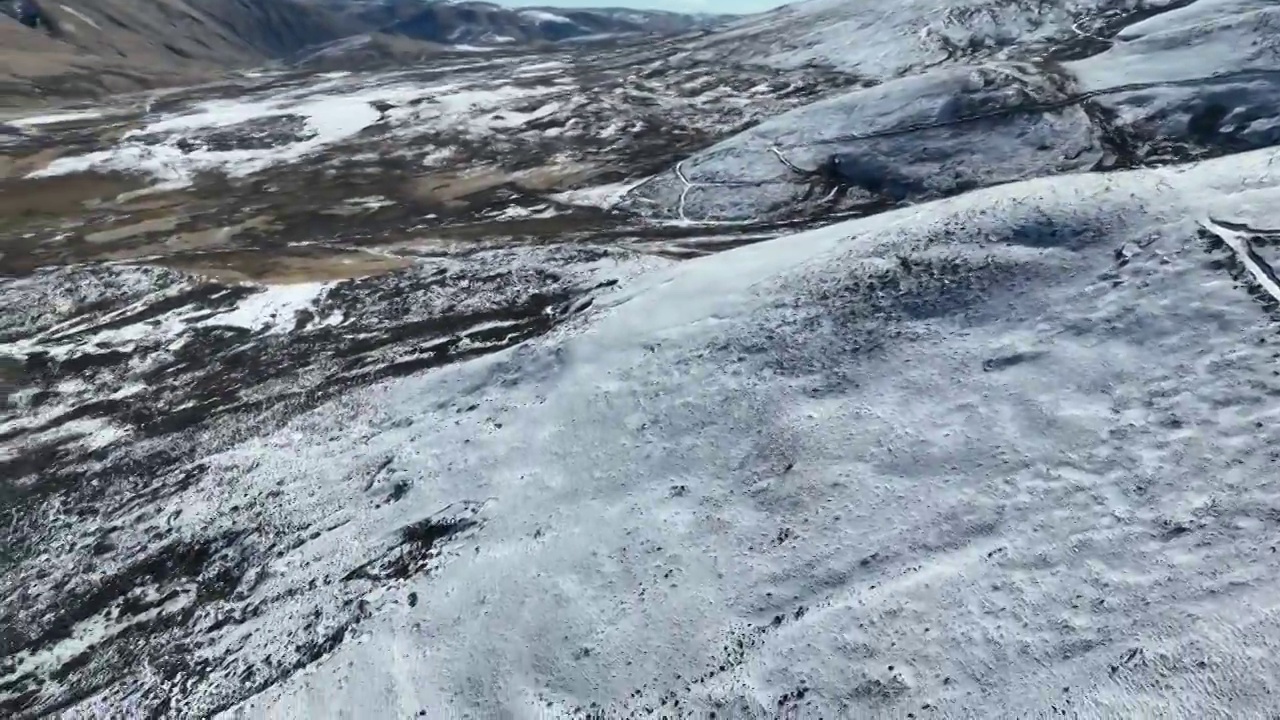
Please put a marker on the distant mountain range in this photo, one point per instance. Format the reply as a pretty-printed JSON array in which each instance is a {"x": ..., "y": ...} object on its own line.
[
  {"x": 486, "y": 23},
  {"x": 78, "y": 48}
]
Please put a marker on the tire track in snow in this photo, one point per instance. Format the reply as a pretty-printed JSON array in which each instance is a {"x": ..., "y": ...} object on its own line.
[
  {"x": 687, "y": 185},
  {"x": 1075, "y": 27},
  {"x": 684, "y": 191}
]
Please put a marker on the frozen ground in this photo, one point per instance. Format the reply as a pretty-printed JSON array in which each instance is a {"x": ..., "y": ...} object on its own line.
[
  {"x": 990, "y": 457},
  {"x": 431, "y": 414}
]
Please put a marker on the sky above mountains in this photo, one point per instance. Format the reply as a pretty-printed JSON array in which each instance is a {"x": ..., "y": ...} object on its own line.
[{"x": 718, "y": 6}]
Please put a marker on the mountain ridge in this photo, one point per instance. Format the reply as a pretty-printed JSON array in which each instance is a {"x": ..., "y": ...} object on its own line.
[{"x": 57, "y": 51}]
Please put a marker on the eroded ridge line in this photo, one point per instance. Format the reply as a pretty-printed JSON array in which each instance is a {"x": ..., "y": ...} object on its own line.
[
  {"x": 1032, "y": 107},
  {"x": 1075, "y": 27},
  {"x": 1236, "y": 236},
  {"x": 790, "y": 165}
]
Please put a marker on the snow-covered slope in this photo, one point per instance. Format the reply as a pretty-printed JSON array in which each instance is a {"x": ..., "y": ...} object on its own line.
[
  {"x": 487, "y": 24},
  {"x": 1097, "y": 86},
  {"x": 906, "y": 138},
  {"x": 1208, "y": 73},
  {"x": 881, "y": 40},
  {"x": 990, "y": 456},
  {"x": 997, "y": 441}
]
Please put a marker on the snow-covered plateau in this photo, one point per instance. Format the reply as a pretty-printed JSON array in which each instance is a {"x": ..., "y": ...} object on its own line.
[{"x": 857, "y": 359}]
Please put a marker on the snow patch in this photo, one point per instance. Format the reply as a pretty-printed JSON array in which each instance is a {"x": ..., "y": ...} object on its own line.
[
  {"x": 604, "y": 197},
  {"x": 84, "y": 18},
  {"x": 542, "y": 16},
  {"x": 36, "y": 120},
  {"x": 329, "y": 119},
  {"x": 275, "y": 309}
]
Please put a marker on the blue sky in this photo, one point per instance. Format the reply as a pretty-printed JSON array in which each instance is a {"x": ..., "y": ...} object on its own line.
[{"x": 736, "y": 6}]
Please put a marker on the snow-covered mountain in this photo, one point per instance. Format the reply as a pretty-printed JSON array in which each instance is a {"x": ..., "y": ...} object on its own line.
[
  {"x": 57, "y": 50},
  {"x": 481, "y": 23},
  {"x": 956, "y": 102},
  {"x": 72, "y": 50},
  {"x": 856, "y": 359}
]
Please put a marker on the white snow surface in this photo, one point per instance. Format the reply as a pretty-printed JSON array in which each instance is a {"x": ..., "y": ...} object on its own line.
[
  {"x": 274, "y": 308},
  {"x": 329, "y": 118},
  {"x": 1200, "y": 12},
  {"x": 1229, "y": 37},
  {"x": 1212, "y": 53},
  {"x": 932, "y": 132},
  {"x": 747, "y": 176},
  {"x": 1032, "y": 480},
  {"x": 887, "y": 39},
  {"x": 268, "y": 309},
  {"x": 36, "y": 120},
  {"x": 604, "y": 197},
  {"x": 84, "y": 18},
  {"x": 542, "y": 16}
]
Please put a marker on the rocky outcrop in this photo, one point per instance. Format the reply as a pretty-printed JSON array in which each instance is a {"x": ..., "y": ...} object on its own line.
[{"x": 29, "y": 13}]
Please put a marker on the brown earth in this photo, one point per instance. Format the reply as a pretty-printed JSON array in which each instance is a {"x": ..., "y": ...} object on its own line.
[
  {"x": 293, "y": 265},
  {"x": 81, "y": 49}
]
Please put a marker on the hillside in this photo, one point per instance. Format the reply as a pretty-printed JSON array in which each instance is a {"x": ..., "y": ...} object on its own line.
[
  {"x": 856, "y": 359},
  {"x": 111, "y": 46},
  {"x": 488, "y": 24},
  {"x": 56, "y": 51}
]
